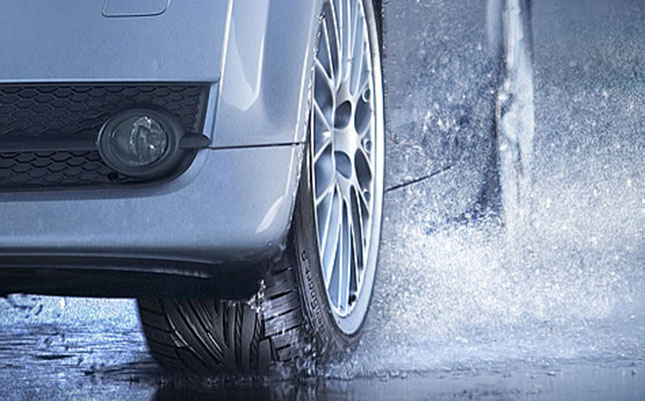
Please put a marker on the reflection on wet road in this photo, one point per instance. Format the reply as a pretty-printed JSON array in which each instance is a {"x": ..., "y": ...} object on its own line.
[
  {"x": 462, "y": 309},
  {"x": 58, "y": 350},
  {"x": 105, "y": 359}
]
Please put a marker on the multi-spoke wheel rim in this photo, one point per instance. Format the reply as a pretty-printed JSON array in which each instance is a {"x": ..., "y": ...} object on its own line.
[{"x": 346, "y": 148}]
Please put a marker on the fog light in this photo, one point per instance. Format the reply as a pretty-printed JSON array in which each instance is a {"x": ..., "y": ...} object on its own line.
[{"x": 141, "y": 143}]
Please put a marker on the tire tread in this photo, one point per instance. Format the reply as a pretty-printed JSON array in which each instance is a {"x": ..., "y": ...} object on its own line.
[{"x": 228, "y": 336}]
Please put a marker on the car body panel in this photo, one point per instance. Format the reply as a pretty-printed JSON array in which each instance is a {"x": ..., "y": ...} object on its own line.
[
  {"x": 267, "y": 72},
  {"x": 233, "y": 205},
  {"x": 70, "y": 40}
]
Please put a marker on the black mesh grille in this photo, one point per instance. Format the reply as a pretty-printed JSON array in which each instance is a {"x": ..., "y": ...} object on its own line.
[
  {"x": 38, "y": 111},
  {"x": 46, "y": 169}
]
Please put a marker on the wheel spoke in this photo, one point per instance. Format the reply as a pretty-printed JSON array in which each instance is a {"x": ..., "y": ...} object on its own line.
[
  {"x": 365, "y": 154},
  {"x": 321, "y": 69},
  {"x": 321, "y": 118},
  {"x": 325, "y": 87},
  {"x": 327, "y": 206},
  {"x": 333, "y": 234},
  {"x": 333, "y": 282},
  {"x": 358, "y": 228},
  {"x": 347, "y": 39},
  {"x": 364, "y": 130},
  {"x": 357, "y": 51},
  {"x": 327, "y": 190},
  {"x": 343, "y": 21},
  {"x": 363, "y": 83},
  {"x": 345, "y": 260},
  {"x": 338, "y": 273},
  {"x": 336, "y": 19},
  {"x": 328, "y": 53},
  {"x": 364, "y": 202},
  {"x": 354, "y": 28},
  {"x": 356, "y": 265},
  {"x": 322, "y": 132},
  {"x": 324, "y": 147}
]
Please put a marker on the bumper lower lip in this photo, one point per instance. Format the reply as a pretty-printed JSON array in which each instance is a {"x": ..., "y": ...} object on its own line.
[
  {"x": 126, "y": 278},
  {"x": 228, "y": 207}
]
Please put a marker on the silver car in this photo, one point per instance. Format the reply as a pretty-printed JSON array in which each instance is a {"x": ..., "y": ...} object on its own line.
[{"x": 191, "y": 152}]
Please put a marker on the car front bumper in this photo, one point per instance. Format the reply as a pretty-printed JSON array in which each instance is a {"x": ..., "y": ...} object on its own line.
[{"x": 232, "y": 205}]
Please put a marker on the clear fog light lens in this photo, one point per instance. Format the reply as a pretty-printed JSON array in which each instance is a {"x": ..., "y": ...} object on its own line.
[
  {"x": 139, "y": 141},
  {"x": 143, "y": 143}
]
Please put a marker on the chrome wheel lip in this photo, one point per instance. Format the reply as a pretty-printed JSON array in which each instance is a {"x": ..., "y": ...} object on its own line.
[{"x": 340, "y": 173}]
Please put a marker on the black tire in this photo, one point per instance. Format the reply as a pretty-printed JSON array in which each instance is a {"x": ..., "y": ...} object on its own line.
[
  {"x": 286, "y": 321},
  {"x": 208, "y": 335},
  {"x": 289, "y": 320}
]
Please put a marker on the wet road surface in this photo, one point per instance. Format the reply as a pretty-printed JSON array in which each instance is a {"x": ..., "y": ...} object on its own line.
[{"x": 463, "y": 307}]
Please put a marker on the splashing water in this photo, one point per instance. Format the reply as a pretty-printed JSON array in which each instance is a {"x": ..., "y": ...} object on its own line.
[
  {"x": 570, "y": 287},
  {"x": 559, "y": 277}
]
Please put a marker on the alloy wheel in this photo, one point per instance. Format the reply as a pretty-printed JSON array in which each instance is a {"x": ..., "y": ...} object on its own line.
[{"x": 346, "y": 150}]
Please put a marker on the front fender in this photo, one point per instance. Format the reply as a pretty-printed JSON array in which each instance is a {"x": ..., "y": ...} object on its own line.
[{"x": 266, "y": 74}]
